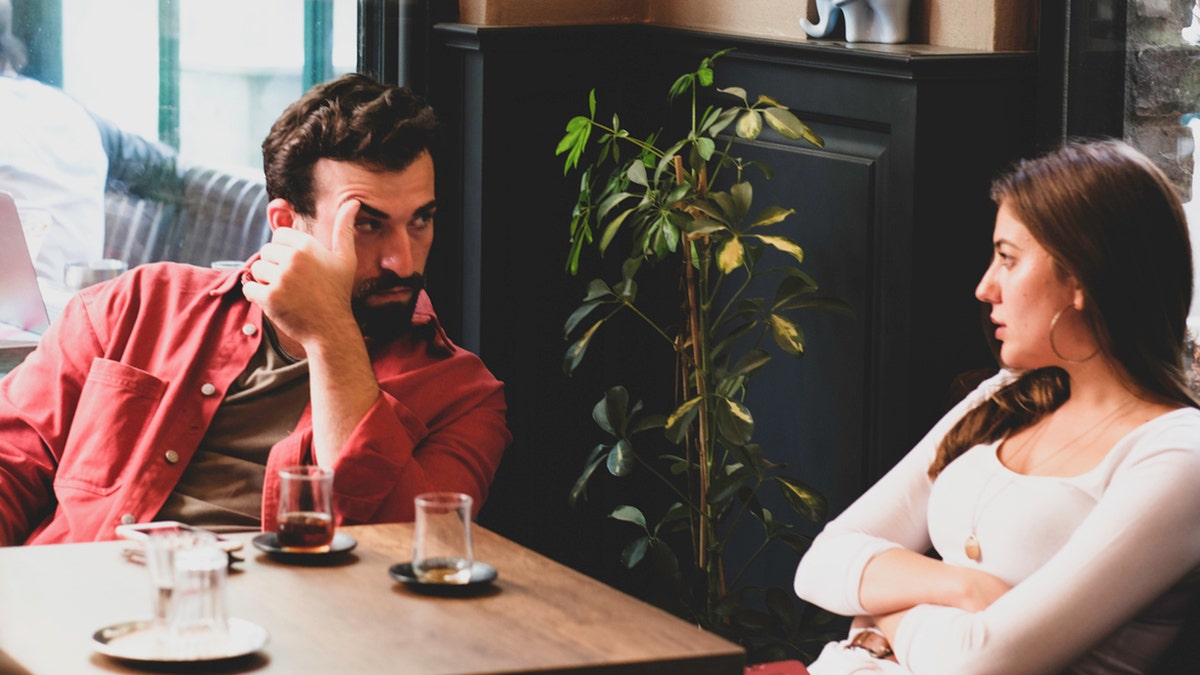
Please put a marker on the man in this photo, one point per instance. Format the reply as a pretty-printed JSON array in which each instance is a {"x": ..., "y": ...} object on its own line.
[
  {"x": 52, "y": 162},
  {"x": 176, "y": 392}
]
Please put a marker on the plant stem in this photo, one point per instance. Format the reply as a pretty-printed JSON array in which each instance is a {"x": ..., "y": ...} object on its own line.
[{"x": 702, "y": 413}]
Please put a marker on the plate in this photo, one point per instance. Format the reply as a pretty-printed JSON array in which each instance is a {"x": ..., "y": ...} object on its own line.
[
  {"x": 482, "y": 575},
  {"x": 269, "y": 542},
  {"x": 138, "y": 641}
]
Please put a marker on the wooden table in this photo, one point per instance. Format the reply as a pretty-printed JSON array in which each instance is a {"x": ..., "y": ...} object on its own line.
[{"x": 539, "y": 616}]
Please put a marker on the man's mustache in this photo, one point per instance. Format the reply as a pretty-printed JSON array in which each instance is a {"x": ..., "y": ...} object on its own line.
[{"x": 389, "y": 281}]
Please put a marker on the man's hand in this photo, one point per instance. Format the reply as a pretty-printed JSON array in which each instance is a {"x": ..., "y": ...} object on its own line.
[{"x": 304, "y": 287}]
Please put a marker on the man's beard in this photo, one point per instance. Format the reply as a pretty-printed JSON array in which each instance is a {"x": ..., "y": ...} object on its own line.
[{"x": 385, "y": 322}]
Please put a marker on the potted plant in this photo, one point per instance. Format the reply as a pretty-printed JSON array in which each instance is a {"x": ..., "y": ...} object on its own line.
[{"x": 690, "y": 203}]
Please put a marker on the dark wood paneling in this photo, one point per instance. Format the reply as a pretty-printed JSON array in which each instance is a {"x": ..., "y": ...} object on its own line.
[{"x": 893, "y": 214}]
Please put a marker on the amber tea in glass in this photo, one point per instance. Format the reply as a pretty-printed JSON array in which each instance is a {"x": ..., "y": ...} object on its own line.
[{"x": 305, "y": 523}]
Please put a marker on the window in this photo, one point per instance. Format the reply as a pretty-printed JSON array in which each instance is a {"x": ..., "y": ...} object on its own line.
[{"x": 207, "y": 77}]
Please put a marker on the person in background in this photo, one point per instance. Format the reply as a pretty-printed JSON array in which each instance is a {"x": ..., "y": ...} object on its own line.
[
  {"x": 1060, "y": 496},
  {"x": 52, "y": 162},
  {"x": 176, "y": 392}
]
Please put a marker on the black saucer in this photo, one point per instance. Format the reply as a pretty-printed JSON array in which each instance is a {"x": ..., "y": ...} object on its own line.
[
  {"x": 268, "y": 542},
  {"x": 482, "y": 576}
]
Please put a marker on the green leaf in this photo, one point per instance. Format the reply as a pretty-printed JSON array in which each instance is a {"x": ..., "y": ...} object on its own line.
[
  {"x": 635, "y": 551},
  {"x": 705, "y": 76},
  {"x": 749, "y": 125},
  {"x": 734, "y": 421},
  {"x": 620, "y": 458},
  {"x": 612, "y": 228},
  {"x": 782, "y": 244},
  {"x": 805, "y": 500},
  {"x": 578, "y": 315},
  {"x": 793, "y": 287},
  {"x": 752, "y": 361},
  {"x": 734, "y": 91},
  {"x": 730, "y": 255},
  {"x": 743, "y": 195},
  {"x": 677, "y": 513},
  {"x": 579, "y": 129},
  {"x": 794, "y": 540},
  {"x": 703, "y": 226},
  {"x": 592, "y": 105},
  {"x": 725, "y": 203},
  {"x": 680, "y": 86},
  {"x": 706, "y": 147},
  {"x": 779, "y": 603},
  {"x": 609, "y": 412},
  {"x": 679, "y": 421},
  {"x": 646, "y": 423},
  {"x": 626, "y": 290},
  {"x": 725, "y": 487},
  {"x": 787, "y": 335},
  {"x": 722, "y": 122},
  {"x": 580, "y": 487},
  {"x": 667, "y": 162},
  {"x": 677, "y": 464},
  {"x": 784, "y": 122},
  {"x": 772, "y": 215},
  {"x": 753, "y": 621},
  {"x": 611, "y": 202},
  {"x": 637, "y": 174},
  {"x": 597, "y": 289},
  {"x": 629, "y": 514},
  {"x": 764, "y": 99},
  {"x": 576, "y": 351},
  {"x": 670, "y": 234}
]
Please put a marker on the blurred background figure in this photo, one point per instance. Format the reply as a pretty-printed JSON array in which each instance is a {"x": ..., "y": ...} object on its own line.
[{"x": 51, "y": 161}]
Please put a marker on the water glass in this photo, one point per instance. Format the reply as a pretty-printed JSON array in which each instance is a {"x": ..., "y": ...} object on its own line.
[
  {"x": 187, "y": 570},
  {"x": 78, "y": 275},
  {"x": 442, "y": 551}
]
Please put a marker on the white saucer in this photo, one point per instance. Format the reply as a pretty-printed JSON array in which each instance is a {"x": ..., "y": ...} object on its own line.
[{"x": 137, "y": 641}]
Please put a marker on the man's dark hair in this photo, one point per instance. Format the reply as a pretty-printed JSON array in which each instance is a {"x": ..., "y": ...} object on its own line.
[{"x": 353, "y": 118}]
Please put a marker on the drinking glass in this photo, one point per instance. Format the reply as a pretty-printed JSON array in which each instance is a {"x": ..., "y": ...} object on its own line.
[
  {"x": 442, "y": 539},
  {"x": 305, "y": 509},
  {"x": 79, "y": 275},
  {"x": 187, "y": 570}
]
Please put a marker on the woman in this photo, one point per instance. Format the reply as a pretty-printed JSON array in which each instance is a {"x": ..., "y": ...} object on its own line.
[{"x": 1063, "y": 494}]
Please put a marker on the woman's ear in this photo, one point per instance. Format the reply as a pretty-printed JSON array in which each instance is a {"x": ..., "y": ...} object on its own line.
[
  {"x": 1078, "y": 302},
  {"x": 280, "y": 214}
]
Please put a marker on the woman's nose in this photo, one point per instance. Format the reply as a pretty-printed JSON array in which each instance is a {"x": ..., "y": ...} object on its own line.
[{"x": 986, "y": 290}]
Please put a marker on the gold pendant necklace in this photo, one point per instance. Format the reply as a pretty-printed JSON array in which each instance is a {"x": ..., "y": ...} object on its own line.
[{"x": 971, "y": 546}]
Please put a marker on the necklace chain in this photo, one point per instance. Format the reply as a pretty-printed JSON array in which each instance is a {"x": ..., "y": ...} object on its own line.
[{"x": 971, "y": 546}]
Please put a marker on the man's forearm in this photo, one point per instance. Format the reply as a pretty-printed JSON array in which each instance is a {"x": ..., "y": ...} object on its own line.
[{"x": 343, "y": 387}]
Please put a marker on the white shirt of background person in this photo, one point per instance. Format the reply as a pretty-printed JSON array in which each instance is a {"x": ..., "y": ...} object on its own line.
[{"x": 53, "y": 163}]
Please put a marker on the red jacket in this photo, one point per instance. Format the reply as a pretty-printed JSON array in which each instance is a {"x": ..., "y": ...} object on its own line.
[{"x": 99, "y": 422}]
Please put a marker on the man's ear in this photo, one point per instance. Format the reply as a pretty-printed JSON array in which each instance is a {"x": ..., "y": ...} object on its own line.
[{"x": 281, "y": 214}]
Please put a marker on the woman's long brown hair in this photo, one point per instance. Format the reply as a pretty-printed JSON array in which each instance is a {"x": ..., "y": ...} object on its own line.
[{"x": 1112, "y": 221}]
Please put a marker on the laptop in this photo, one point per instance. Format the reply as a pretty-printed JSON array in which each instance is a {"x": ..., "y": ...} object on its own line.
[{"x": 23, "y": 315}]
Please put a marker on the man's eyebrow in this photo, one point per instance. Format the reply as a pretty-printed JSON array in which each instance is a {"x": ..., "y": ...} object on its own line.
[
  {"x": 431, "y": 206},
  {"x": 372, "y": 211}
]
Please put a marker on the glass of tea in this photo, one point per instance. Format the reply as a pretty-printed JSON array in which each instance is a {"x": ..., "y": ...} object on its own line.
[
  {"x": 442, "y": 538},
  {"x": 305, "y": 509}
]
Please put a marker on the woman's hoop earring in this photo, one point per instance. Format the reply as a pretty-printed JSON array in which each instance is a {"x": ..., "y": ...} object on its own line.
[{"x": 1054, "y": 348}]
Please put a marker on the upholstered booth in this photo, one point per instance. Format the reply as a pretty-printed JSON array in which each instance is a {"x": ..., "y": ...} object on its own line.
[{"x": 160, "y": 208}]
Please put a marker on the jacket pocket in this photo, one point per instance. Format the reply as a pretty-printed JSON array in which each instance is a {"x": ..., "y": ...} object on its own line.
[{"x": 115, "y": 409}]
